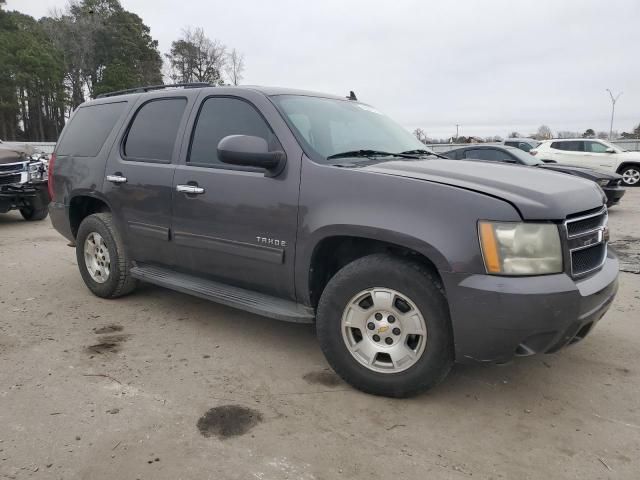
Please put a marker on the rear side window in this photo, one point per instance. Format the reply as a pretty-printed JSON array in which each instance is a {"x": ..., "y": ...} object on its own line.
[
  {"x": 89, "y": 128},
  {"x": 223, "y": 116},
  {"x": 568, "y": 146},
  {"x": 153, "y": 131}
]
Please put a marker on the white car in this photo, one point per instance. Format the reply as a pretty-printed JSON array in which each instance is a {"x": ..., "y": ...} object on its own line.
[{"x": 592, "y": 153}]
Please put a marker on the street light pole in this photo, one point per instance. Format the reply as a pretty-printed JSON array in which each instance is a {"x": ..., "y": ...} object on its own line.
[{"x": 613, "y": 109}]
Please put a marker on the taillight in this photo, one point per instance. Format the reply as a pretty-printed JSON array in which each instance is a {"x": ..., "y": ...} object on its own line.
[{"x": 52, "y": 160}]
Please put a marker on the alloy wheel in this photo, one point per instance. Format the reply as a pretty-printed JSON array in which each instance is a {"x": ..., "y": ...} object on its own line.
[
  {"x": 96, "y": 257},
  {"x": 384, "y": 330}
]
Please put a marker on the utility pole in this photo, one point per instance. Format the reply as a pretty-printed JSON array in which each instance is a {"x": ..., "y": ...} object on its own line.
[{"x": 613, "y": 109}]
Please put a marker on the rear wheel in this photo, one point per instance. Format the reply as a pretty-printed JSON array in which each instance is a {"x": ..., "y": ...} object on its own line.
[
  {"x": 631, "y": 175},
  {"x": 31, "y": 214},
  {"x": 102, "y": 258},
  {"x": 383, "y": 325}
]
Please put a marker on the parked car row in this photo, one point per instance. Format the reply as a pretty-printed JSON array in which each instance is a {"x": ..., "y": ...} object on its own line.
[{"x": 609, "y": 182}]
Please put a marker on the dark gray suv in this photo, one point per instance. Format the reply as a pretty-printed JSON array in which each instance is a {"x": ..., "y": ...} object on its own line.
[{"x": 313, "y": 208}]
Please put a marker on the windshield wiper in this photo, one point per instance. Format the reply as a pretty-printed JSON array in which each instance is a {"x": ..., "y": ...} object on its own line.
[
  {"x": 423, "y": 152},
  {"x": 370, "y": 153}
]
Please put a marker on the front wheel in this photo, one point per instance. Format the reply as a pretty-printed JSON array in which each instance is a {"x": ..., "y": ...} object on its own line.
[
  {"x": 31, "y": 214},
  {"x": 383, "y": 325},
  {"x": 631, "y": 176}
]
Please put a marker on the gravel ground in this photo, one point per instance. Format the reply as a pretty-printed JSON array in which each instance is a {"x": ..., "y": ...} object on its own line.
[{"x": 160, "y": 385}]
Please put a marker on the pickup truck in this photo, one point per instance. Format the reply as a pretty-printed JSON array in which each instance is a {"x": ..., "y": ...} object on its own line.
[
  {"x": 316, "y": 208},
  {"x": 23, "y": 182}
]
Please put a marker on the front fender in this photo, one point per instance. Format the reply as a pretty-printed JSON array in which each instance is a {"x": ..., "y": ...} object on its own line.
[{"x": 436, "y": 220}]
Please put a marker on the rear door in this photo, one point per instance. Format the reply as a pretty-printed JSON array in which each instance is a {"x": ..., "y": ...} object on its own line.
[
  {"x": 241, "y": 226},
  {"x": 569, "y": 152},
  {"x": 139, "y": 175}
]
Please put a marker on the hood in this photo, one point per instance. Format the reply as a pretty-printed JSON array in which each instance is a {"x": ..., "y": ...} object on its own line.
[
  {"x": 535, "y": 193},
  {"x": 585, "y": 172},
  {"x": 12, "y": 154}
]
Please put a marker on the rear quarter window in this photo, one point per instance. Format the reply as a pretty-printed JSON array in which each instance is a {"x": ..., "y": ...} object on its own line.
[{"x": 89, "y": 129}]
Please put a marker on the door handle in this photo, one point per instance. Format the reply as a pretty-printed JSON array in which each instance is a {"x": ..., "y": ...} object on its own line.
[
  {"x": 191, "y": 189},
  {"x": 116, "y": 179}
]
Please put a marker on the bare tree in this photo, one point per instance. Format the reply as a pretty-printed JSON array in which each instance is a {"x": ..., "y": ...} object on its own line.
[
  {"x": 544, "y": 133},
  {"x": 420, "y": 135},
  {"x": 196, "y": 58},
  {"x": 234, "y": 67},
  {"x": 514, "y": 135},
  {"x": 568, "y": 134}
]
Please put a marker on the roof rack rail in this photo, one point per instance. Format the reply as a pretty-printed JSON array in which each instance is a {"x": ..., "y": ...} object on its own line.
[{"x": 150, "y": 88}]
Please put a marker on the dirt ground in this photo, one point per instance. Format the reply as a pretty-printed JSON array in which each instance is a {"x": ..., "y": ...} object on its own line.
[{"x": 160, "y": 385}]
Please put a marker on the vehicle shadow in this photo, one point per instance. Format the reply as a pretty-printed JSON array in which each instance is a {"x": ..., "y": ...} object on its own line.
[{"x": 10, "y": 218}]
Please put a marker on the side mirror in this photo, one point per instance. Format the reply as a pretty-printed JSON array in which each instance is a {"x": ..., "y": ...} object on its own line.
[
  {"x": 610, "y": 150},
  {"x": 249, "y": 151}
]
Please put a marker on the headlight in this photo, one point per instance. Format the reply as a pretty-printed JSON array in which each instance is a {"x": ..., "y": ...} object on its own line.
[
  {"x": 603, "y": 182},
  {"x": 36, "y": 170},
  {"x": 516, "y": 248}
]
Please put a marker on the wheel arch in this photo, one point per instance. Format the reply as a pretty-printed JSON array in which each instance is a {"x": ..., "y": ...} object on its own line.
[
  {"x": 83, "y": 204},
  {"x": 334, "y": 250},
  {"x": 628, "y": 163}
]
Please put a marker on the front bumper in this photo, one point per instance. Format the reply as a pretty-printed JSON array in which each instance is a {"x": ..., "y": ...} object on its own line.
[
  {"x": 16, "y": 196},
  {"x": 614, "y": 194},
  {"x": 496, "y": 318}
]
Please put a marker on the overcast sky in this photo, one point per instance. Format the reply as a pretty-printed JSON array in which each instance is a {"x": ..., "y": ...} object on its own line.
[{"x": 492, "y": 66}]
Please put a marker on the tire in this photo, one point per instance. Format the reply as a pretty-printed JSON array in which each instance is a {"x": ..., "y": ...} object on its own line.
[
  {"x": 405, "y": 280},
  {"x": 630, "y": 176},
  {"x": 31, "y": 214},
  {"x": 103, "y": 237}
]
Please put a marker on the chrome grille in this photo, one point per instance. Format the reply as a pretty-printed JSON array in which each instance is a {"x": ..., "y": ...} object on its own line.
[
  {"x": 11, "y": 168},
  {"x": 586, "y": 241}
]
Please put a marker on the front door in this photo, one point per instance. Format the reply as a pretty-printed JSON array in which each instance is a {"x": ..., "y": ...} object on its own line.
[
  {"x": 596, "y": 156},
  {"x": 231, "y": 223},
  {"x": 139, "y": 177}
]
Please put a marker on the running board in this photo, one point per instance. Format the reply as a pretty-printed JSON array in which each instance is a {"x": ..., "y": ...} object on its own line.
[{"x": 247, "y": 300}]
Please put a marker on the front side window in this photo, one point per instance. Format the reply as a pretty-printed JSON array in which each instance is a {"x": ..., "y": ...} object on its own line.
[
  {"x": 595, "y": 147},
  {"x": 221, "y": 117},
  {"x": 489, "y": 154},
  {"x": 328, "y": 126},
  {"x": 154, "y": 130}
]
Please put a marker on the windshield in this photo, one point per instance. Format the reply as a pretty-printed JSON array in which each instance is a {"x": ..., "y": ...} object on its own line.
[
  {"x": 525, "y": 157},
  {"x": 329, "y": 126}
]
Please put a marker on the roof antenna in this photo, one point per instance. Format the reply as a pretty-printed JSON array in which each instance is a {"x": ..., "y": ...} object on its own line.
[{"x": 352, "y": 96}]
